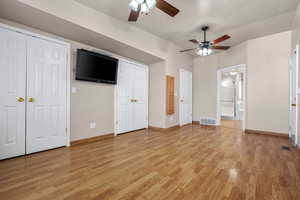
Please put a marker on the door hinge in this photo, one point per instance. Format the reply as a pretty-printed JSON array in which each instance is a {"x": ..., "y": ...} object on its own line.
[
  {"x": 116, "y": 122},
  {"x": 66, "y": 129}
]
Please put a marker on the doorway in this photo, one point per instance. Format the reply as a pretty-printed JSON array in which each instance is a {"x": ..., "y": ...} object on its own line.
[
  {"x": 293, "y": 111},
  {"x": 231, "y": 97}
]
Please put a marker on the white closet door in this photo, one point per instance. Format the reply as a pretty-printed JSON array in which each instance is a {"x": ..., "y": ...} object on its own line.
[
  {"x": 132, "y": 98},
  {"x": 46, "y": 95},
  {"x": 12, "y": 93},
  {"x": 124, "y": 98},
  {"x": 186, "y": 97},
  {"x": 140, "y": 96}
]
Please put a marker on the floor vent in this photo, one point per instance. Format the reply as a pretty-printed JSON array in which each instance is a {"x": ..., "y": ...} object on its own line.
[
  {"x": 208, "y": 121},
  {"x": 286, "y": 148}
]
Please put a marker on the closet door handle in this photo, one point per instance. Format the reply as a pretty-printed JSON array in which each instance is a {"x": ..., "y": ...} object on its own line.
[
  {"x": 31, "y": 100},
  {"x": 20, "y": 99}
]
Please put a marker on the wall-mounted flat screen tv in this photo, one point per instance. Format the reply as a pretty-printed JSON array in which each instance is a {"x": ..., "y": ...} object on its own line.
[{"x": 96, "y": 67}]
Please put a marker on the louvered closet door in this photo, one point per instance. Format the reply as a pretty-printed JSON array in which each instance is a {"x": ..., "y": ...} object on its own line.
[
  {"x": 46, "y": 95},
  {"x": 12, "y": 93}
]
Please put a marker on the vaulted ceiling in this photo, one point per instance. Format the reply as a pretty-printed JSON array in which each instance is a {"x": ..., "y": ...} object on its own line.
[{"x": 242, "y": 19}]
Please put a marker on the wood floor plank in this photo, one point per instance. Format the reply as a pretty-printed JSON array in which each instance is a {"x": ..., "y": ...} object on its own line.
[{"x": 193, "y": 162}]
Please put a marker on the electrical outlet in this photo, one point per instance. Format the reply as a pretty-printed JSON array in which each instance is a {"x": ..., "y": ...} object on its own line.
[{"x": 92, "y": 125}]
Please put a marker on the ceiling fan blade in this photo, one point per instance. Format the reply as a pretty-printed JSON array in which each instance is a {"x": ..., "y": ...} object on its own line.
[
  {"x": 134, "y": 15},
  {"x": 221, "y": 39},
  {"x": 220, "y": 47},
  {"x": 194, "y": 41},
  {"x": 167, "y": 8},
  {"x": 188, "y": 50}
]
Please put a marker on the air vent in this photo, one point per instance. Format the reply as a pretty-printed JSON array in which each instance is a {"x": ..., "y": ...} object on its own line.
[{"x": 208, "y": 121}]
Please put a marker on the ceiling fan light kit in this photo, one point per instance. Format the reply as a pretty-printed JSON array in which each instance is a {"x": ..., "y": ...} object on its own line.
[
  {"x": 204, "y": 52},
  {"x": 205, "y": 47},
  {"x": 144, "y": 7}
]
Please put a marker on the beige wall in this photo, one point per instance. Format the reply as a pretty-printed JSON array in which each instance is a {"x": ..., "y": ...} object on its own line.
[
  {"x": 205, "y": 87},
  {"x": 205, "y": 79},
  {"x": 177, "y": 61},
  {"x": 268, "y": 83},
  {"x": 267, "y": 65},
  {"x": 157, "y": 97}
]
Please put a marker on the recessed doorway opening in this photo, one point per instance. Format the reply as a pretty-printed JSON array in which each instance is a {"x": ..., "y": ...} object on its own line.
[{"x": 231, "y": 97}]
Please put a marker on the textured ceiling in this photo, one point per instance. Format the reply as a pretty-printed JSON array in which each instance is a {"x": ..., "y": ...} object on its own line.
[{"x": 242, "y": 19}]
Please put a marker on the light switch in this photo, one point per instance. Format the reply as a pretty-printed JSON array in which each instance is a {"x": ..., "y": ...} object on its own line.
[{"x": 74, "y": 90}]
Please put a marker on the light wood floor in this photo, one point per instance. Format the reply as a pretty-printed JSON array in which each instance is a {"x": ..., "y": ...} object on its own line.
[
  {"x": 189, "y": 163},
  {"x": 236, "y": 124}
]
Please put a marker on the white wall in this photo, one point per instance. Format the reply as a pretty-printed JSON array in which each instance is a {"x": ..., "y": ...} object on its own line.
[{"x": 267, "y": 61}]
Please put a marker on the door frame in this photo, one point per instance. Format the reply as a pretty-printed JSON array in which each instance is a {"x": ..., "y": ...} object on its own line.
[
  {"x": 180, "y": 107},
  {"x": 241, "y": 67},
  {"x": 68, "y": 75},
  {"x": 296, "y": 51},
  {"x": 116, "y": 100}
]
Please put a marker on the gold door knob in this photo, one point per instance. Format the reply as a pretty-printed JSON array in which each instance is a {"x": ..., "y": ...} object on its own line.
[
  {"x": 294, "y": 105},
  {"x": 181, "y": 100},
  {"x": 132, "y": 100},
  {"x": 135, "y": 100},
  {"x": 20, "y": 99},
  {"x": 31, "y": 100}
]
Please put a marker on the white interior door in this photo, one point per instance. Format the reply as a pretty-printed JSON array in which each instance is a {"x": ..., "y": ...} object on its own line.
[
  {"x": 12, "y": 93},
  {"x": 124, "y": 98},
  {"x": 293, "y": 97},
  {"x": 46, "y": 95},
  {"x": 132, "y": 98},
  {"x": 186, "y": 90},
  {"x": 140, "y": 97}
]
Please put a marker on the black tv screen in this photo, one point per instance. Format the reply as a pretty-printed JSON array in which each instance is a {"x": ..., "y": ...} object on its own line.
[{"x": 96, "y": 67}]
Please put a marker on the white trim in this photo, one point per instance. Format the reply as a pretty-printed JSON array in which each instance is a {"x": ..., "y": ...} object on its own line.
[
  {"x": 68, "y": 46},
  {"x": 296, "y": 51},
  {"x": 297, "y": 89},
  {"x": 219, "y": 73},
  {"x": 69, "y": 95}
]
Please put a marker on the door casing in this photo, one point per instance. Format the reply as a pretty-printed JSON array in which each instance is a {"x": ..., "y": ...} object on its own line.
[
  {"x": 241, "y": 67},
  {"x": 294, "y": 100}
]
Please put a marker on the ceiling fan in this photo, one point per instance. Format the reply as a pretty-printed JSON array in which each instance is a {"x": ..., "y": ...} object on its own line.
[
  {"x": 205, "y": 47},
  {"x": 144, "y": 6}
]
